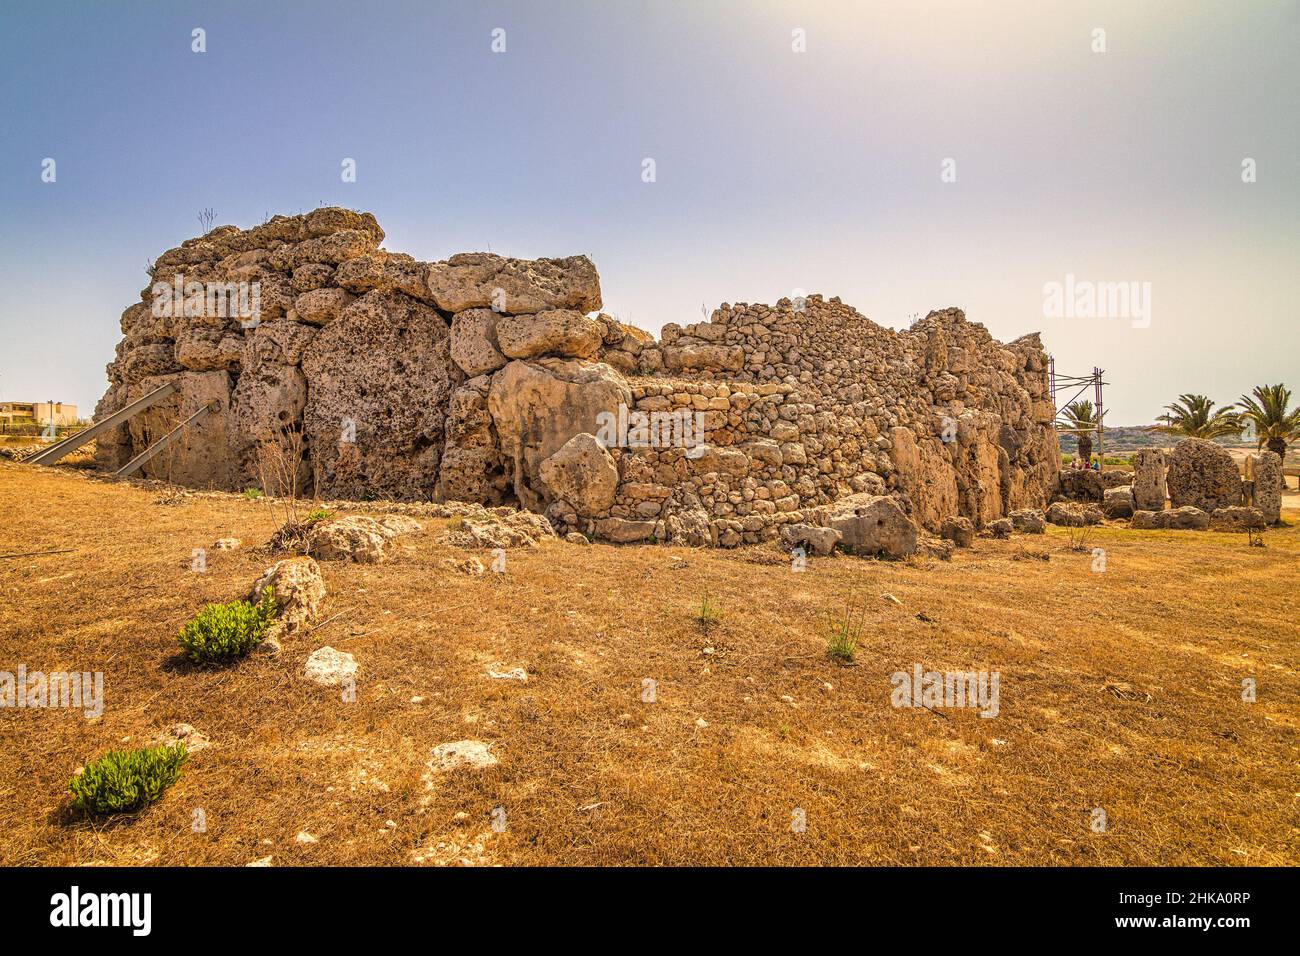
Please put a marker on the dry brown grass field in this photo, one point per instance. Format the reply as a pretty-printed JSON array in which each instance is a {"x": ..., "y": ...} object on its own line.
[{"x": 1119, "y": 690}]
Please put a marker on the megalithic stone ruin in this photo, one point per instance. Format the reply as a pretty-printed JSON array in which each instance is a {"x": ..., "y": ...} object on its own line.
[{"x": 373, "y": 374}]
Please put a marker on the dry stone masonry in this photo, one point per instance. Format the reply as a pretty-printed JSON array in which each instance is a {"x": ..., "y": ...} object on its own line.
[{"x": 369, "y": 374}]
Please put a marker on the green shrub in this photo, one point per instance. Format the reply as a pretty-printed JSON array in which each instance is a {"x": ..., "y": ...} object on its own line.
[
  {"x": 709, "y": 615},
  {"x": 126, "y": 780},
  {"x": 844, "y": 630},
  {"x": 252, "y": 494},
  {"x": 223, "y": 632},
  {"x": 320, "y": 514}
]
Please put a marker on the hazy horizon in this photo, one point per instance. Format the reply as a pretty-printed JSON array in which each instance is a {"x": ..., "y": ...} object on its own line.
[{"x": 777, "y": 171}]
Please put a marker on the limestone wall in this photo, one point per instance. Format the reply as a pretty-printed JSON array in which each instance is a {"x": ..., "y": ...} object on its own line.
[{"x": 367, "y": 374}]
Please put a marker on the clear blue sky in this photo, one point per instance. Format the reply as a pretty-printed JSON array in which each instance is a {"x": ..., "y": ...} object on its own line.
[{"x": 776, "y": 170}]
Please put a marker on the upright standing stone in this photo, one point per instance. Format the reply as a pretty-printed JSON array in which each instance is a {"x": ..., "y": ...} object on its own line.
[
  {"x": 1267, "y": 467},
  {"x": 1202, "y": 475},
  {"x": 1149, "y": 480}
]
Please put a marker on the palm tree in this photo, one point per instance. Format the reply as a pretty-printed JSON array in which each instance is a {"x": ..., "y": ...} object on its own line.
[
  {"x": 1081, "y": 418},
  {"x": 1194, "y": 417},
  {"x": 1276, "y": 425}
]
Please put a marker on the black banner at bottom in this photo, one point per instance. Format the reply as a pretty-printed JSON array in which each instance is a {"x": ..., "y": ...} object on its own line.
[{"x": 330, "y": 906}]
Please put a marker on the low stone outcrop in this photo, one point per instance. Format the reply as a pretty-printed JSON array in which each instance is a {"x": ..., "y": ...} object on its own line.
[
  {"x": 1028, "y": 520},
  {"x": 357, "y": 538},
  {"x": 1238, "y": 518},
  {"x": 811, "y": 538},
  {"x": 1073, "y": 514},
  {"x": 1002, "y": 528},
  {"x": 1185, "y": 518},
  {"x": 330, "y": 668}
]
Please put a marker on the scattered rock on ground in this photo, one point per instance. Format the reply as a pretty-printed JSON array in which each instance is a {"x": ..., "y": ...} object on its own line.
[
  {"x": 1028, "y": 520},
  {"x": 814, "y": 540},
  {"x": 330, "y": 668},
  {"x": 960, "y": 531},
  {"x": 194, "y": 740}
]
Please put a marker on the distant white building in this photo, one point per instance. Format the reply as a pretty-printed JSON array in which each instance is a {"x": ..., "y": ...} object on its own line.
[{"x": 39, "y": 412}]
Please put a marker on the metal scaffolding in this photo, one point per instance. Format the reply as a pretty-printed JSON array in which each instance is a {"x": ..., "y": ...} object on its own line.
[{"x": 1076, "y": 386}]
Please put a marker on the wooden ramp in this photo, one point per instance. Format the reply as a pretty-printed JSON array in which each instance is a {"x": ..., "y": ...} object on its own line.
[{"x": 49, "y": 456}]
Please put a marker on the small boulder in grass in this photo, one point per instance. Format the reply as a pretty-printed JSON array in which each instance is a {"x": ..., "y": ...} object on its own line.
[
  {"x": 330, "y": 668},
  {"x": 1028, "y": 520},
  {"x": 1001, "y": 528},
  {"x": 960, "y": 531},
  {"x": 298, "y": 587}
]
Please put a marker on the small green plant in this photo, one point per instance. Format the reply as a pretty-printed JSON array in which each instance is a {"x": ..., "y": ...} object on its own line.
[
  {"x": 320, "y": 514},
  {"x": 709, "y": 614},
  {"x": 223, "y": 632},
  {"x": 252, "y": 494},
  {"x": 126, "y": 780},
  {"x": 844, "y": 631}
]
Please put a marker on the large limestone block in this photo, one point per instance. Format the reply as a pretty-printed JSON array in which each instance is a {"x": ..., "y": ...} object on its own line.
[
  {"x": 1074, "y": 514},
  {"x": 1149, "y": 490},
  {"x": 560, "y": 332},
  {"x": 476, "y": 280},
  {"x": 1202, "y": 475},
  {"x": 332, "y": 249},
  {"x": 379, "y": 380},
  {"x": 1118, "y": 502},
  {"x": 723, "y": 358},
  {"x": 321, "y": 306},
  {"x": 1082, "y": 484},
  {"x": 873, "y": 525},
  {"x": 473, "y": 341},
  {"x": 1267, "y": 470},
  {"x": 537, "y": 406},
  {"x": 268, "y": 401},
  {"x": 925, "y": 472},
  {"x": 203, "y": 455},
  {"x": 206, "y": 350},
  {"x": 582, "y": 473}
]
